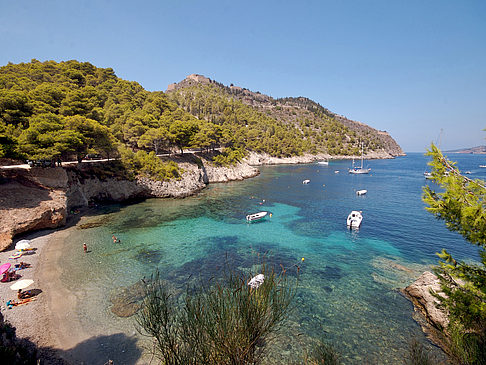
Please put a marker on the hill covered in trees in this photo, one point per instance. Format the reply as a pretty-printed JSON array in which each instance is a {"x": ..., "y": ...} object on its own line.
[
  {"x": 67, "y": 110},
  {"x": 280, "y": 127}
]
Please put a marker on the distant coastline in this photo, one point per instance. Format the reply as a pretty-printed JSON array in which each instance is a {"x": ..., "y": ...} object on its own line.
[{"x": 479, "y": 150}]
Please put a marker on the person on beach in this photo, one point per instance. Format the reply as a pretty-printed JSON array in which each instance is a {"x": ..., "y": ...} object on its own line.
[
  {"x": 23, "y": 295},
  {"x": 85, "y": 248}
]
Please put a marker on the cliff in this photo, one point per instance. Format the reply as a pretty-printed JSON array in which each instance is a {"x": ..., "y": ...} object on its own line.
[{"x": 38, "y": 198}]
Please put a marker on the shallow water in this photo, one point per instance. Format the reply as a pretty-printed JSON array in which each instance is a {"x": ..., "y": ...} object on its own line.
[{"x": 347, "y": 283}]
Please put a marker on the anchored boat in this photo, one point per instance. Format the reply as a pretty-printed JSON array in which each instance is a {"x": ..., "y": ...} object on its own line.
[
  {"x": 256, "y": 216},
  {"x": 354, "y": 219}
]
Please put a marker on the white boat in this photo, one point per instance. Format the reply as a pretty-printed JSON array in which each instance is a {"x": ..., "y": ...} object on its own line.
[
  {"x": 468, "y": 172},
  {"x": 325, "y": 163},
  {"x": 256, "y": 216},
  {"x": 428, "y": 175},
  {"x": 361, "y": 192},
  {"x": 306, "y": 181},
  {"x": 361, "y": 169},
  {"x": 354, "y": 219},
  {"x": 482, "y": 166}
]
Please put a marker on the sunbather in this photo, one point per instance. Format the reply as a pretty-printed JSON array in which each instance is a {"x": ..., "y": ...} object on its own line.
[
  {"x": 22, "y": 265},
  {"x": 24, "y": 294},
  {"x": 9, "y": 276},
  {"x": 12, "y": 303}
]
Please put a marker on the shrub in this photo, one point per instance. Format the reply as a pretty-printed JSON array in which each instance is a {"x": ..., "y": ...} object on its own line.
[
  {"x": 229, "y": 156},
  {"x": 226, "y": 323},
  {"x": 149, "y": 165}
]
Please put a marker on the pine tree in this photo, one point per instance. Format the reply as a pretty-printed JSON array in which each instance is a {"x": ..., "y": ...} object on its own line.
[{"x": 463, "y": 208}]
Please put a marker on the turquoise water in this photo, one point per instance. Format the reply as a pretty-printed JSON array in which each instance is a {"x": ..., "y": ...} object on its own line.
[{"x": 347, "y": 284}]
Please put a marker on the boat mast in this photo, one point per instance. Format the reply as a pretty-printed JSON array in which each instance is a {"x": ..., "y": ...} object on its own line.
[{"x": 361, "y": 155}]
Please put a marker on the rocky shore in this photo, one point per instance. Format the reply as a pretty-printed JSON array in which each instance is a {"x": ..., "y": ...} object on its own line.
[
  {"x": 432, "y": 319},
  {"x": 38, "y": 198}
]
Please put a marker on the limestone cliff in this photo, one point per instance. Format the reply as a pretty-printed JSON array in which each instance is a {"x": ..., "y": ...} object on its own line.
[{"x": 37, "y": 198}]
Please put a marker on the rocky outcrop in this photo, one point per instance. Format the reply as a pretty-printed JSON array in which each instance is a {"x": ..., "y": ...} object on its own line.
[
  {"x": 419, "y": 292},
  {"x": 28, "y": 203},
  {"x": 37, "y": 198},
  {"x": 432, "y": 319}
]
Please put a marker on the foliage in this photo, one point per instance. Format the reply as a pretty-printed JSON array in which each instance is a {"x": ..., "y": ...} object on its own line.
[
  {"x": 230, "y": 156},
  {"x": 148, "y": 164},
  {"x": 417, "y": 355},
  {"x": 462, "y": 206},
  {"x": 13, "y": 350},
  {"x": 226, "y": 323}
]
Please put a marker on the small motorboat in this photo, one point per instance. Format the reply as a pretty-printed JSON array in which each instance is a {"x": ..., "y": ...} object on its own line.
[
  {"x": 306, "y": 181},
  {"x": 354, "y": 219},
  {"x": 256, "y": 216},
  {"x": 468, "y": 172},
  {"x": 325, "y": 163},
  {"x": 482, "y": 166},
  {"x": 361, "y": 192}
]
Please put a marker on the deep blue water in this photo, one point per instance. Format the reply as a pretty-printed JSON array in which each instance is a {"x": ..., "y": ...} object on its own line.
[{"x": 348, "y": 282}]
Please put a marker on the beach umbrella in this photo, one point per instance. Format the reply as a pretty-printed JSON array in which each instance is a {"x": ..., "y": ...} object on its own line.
[
  {"x": 22, "y": 245},
  {"x": 4, "y": 268},
  {"x": 21, "y": 284}
]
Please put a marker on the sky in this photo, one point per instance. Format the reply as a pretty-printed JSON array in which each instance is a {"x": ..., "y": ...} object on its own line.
[{"x": 413, "y": 68}]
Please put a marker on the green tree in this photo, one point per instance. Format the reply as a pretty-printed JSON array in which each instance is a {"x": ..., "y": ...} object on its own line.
[
  {"x": 154, "y": 138},
  {"x": 95, "y": 137},
  {"x": 46, "y": 138},
  {"x": 462, "y": 206},
  {"x": 182, "y": 132}
]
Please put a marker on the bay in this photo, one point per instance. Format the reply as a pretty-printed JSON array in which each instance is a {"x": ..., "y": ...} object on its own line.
[{"x": 347, "y": 283}]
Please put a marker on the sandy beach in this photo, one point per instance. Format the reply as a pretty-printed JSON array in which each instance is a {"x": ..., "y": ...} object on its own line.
[
  {"x": 32, "y": 321},
  {"x": 50, "y": 320}
]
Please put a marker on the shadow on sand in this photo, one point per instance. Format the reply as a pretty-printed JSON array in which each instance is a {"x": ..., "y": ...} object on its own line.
[{"x": 118, "y": 348}]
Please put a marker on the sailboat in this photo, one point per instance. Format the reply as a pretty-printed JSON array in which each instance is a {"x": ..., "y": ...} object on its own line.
[{"x": 361, "y": 169}]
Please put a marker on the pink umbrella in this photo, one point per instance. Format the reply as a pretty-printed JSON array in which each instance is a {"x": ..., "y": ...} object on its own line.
[{"x": 4, "y": 268}]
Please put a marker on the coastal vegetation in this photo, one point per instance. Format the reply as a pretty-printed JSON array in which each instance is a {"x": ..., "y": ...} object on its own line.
[
  {"x": 69, "y": 110},
  {"x": 461, "y": 205},
  {"x": 228, "y": 322}
]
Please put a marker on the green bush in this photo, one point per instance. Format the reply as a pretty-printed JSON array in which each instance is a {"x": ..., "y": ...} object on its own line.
[
  {"x": 149, "y": 165},
  {"x": 228, "y": 157},
  {"x": 226, "y": 323}
]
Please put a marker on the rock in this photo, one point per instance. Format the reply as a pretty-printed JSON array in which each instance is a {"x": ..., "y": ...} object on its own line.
[
  {"x": 25, "y": 206},
  {"x": 419, "y": 293},
  {"x": 40, "y": 198},
  {"x": 127, "y": 301},
  {"x": 433, "y": 320}
]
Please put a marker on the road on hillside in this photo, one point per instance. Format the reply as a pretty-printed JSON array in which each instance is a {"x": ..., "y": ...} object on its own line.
[{"x": 67, "y": 163}]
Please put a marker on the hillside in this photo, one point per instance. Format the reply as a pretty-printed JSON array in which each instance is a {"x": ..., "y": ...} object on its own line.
[
  {"x": 478, "y": 150},
  {"x": 69, "y": 110},
  {"x": 317, "y": 129}
]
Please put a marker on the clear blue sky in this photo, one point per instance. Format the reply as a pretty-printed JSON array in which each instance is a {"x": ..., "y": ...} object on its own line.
[{"x": 409, "y": 67}]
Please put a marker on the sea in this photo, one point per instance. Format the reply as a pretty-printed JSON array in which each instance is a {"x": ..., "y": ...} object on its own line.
[{"x": 347, "y": 281}]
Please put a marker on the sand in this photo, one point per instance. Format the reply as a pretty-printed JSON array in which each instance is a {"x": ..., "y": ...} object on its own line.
[
  {"x": 32, "y": 320},
  {"x": 49, "y": 321}
]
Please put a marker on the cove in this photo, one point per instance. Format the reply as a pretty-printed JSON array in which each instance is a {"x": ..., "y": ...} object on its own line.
[{"x": 348, "y": 282}]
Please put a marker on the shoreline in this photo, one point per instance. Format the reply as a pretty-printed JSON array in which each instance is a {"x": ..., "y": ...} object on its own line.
[
  {"x": 49, "y": 322},
  {"x": 32, "y": 320}
]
